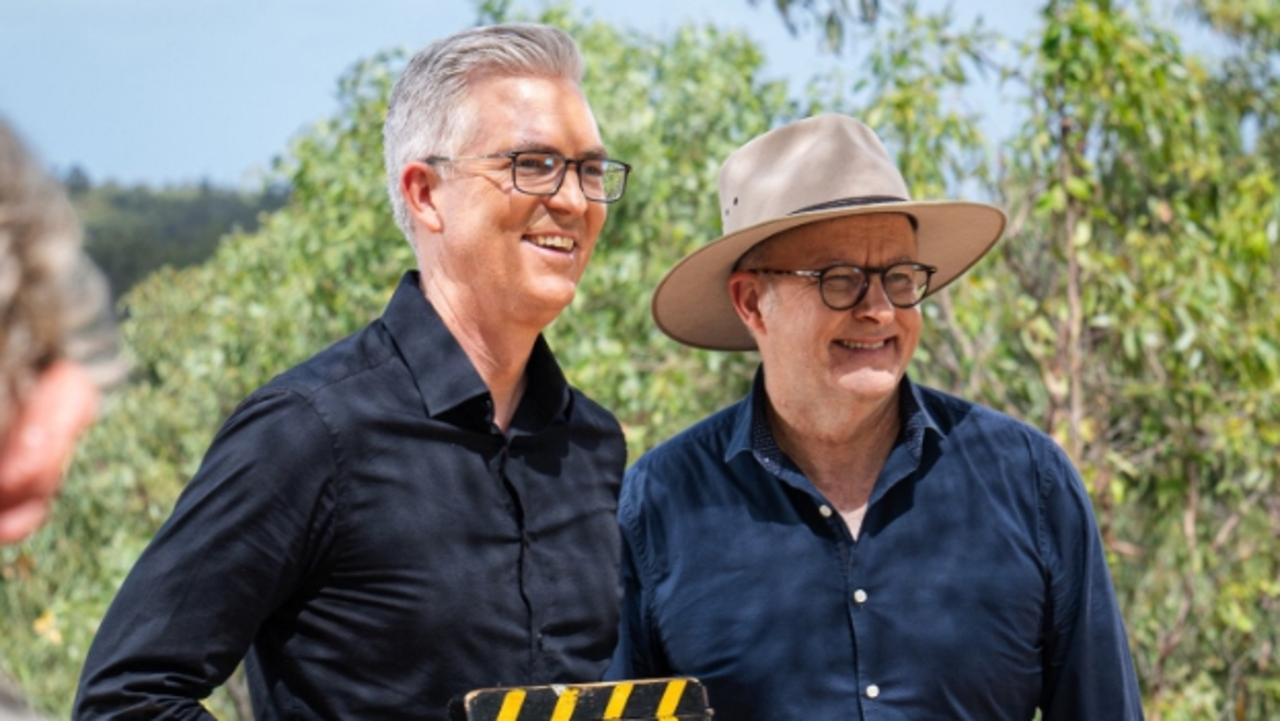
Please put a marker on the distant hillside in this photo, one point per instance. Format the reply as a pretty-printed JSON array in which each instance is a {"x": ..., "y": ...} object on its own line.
[{"x": 131, "y": 230}]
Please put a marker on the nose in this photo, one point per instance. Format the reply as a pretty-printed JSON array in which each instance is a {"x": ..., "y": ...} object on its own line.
[
  {"x": 569, "y": 198},
  {"x": 875, "y": 302}
]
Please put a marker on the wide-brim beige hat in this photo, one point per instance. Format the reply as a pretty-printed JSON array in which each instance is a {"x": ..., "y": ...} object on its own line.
[{"x": 827, "y": 166}]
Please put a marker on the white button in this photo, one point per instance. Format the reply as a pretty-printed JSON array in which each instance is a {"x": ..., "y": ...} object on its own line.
[
  {"x": 873, "y": 691},
  {"x": 825, "y": 510},
  {"x": 860, "y": 596}
]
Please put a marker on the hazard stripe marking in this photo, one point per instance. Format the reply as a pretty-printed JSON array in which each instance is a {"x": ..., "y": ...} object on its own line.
[
  {"x": 671, "y": 698},
  {"x": 664, "y": 699},
  {"x": 617, "y": 701},
  {"x": 564, "y": 706},
  {"x": 511, "y": 704}
]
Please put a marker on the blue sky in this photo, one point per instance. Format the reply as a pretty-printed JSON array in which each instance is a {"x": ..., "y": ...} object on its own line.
[{"x": 160, "y": 91}]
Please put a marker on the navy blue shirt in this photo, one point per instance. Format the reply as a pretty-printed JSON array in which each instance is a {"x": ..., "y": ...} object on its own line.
[
  {"x": 977, "y": 588},
  {"x": 363, "y": 530}
]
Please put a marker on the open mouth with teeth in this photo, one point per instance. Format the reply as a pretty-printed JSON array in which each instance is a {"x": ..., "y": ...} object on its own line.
[
  {"x": 561, "y": 243},
  {"x": 864, "y": 346}
]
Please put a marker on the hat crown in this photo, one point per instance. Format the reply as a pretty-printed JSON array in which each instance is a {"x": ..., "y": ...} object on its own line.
[{"x": 825, "y": 160}]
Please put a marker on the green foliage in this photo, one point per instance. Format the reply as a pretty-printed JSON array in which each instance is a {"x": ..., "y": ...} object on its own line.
[
  {"x": 131, "y": 231},
  {"x": 1135, "y": 309},
  {"x": 1248, "y": 83},
  {"x": 831, "y": 19},
  {"x": 1131, "y": 311},
  {"x": 1254, "y": 23}
]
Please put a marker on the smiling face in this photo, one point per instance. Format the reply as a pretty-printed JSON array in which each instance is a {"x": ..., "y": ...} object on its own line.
[
  {"x": 815, "y": 357},
  {"x": 490, "y": 248}
]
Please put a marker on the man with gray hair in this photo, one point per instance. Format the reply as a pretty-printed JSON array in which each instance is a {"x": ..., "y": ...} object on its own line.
[{"x": 427, "y": 506}]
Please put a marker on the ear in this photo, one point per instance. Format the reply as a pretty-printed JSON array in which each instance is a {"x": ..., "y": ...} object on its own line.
[
  {"x": 418, "y": 182},
  {"x": 745, "y": 292}
]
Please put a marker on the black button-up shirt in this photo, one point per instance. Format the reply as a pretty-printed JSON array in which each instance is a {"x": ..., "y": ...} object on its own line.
[
  {"x": 977, "y": 589},
  {"x": 369, "y": 537}
]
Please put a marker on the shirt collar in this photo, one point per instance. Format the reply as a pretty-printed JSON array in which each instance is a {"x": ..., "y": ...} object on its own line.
[
  {"x": 445, "y": 377},
  {"x": 547, "y": 394},
  {"x": 751, "y": 430},
  {"x": 745, "y": 419},
  {"x": 916, "y": 418}
]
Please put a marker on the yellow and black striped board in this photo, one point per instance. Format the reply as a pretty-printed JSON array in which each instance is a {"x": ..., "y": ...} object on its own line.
[{"x": 663, "y": 699}]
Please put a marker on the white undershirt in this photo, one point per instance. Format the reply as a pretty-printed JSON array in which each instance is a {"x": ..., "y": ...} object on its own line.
[{"x": 853, "y": 519}]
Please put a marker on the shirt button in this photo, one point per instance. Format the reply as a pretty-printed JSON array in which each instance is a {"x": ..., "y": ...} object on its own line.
[
  {"x": 873, "y": 691},
  {"x": 859, "y": 596},
  {"x": 825, "y": 510}
]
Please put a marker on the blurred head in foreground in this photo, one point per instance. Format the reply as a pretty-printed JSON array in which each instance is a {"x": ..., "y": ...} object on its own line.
[{"x": 57, "y": 338}]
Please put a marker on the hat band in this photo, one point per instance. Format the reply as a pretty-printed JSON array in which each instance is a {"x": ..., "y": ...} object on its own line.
[
  {"x": 846, "y": 202},
  {"x": 860, "y": 200}
]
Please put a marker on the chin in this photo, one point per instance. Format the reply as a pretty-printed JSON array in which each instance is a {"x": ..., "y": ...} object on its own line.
[
  {"x": 551, "y": 298},
  {"x": 870, "y": 385}
]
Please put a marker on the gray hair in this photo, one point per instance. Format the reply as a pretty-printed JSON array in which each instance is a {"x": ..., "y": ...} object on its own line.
[
  {"x": 423, "y": 117},
  {"x": 53, "y": 302}
]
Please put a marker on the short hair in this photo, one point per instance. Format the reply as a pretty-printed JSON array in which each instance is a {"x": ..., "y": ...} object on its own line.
[
  {"x": 53, "y": 302},
  {"x": 423, "y": 116}
]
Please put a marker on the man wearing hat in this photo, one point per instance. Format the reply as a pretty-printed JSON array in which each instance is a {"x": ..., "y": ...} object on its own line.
[{"x": 843, "y": 543}]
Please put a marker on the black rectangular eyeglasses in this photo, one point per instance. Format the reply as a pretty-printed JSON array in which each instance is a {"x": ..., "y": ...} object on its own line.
[{"x": 536, "y": 172}]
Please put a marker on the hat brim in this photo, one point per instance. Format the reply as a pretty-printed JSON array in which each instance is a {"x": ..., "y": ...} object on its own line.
[{"x": 691, "y": 303}]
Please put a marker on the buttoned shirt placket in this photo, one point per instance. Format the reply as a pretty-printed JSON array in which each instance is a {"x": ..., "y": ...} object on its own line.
[{"x": 853, "y": 556}]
